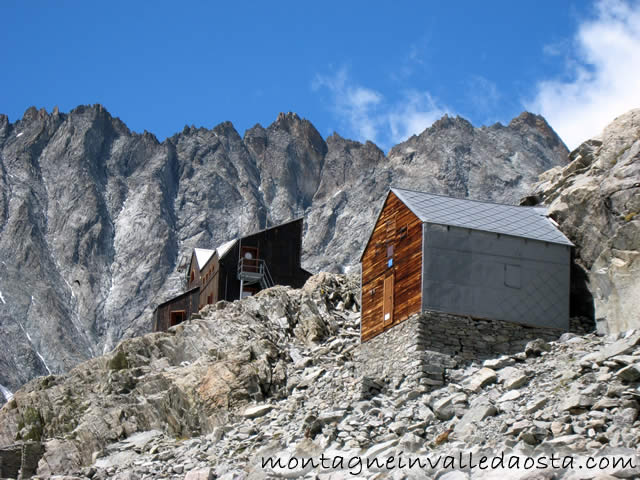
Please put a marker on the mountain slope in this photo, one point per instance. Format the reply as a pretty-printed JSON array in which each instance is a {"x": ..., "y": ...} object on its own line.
[
  {"x": 277, "y": 375},
  {"x": 95, "y": 219}
]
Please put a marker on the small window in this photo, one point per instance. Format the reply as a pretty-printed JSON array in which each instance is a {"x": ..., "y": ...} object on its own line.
[
  {"x": 512, "y": 276},
  {"x": 390, "y": 263},
  {"x": 389, "y": 251}
]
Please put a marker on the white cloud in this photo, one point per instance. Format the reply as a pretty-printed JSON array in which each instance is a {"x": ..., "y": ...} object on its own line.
[
  {"x": 604, "y": 75},
  {"x": 367, "y": 115},
  {"x": 416, "y": 112},
  {"x": 483, "y": 97}
]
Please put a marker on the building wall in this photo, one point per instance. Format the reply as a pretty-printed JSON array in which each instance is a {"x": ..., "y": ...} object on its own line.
[
  {"x": 20, "y": 460},
  {"x": 419, "y": 350},
  {"x": 209, "y": 282},
  {"x": 280, "y": 247},
  {"x": 193, "y": 274},
  {"x": 398, "y": 227},
  {"x": 187, "y": 302},
  {"x": 486, "y": 275}
]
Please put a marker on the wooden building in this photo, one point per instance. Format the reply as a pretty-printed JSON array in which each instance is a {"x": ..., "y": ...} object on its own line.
[
  {"x": 237, "y": 269},
  {"x": 463, "y": 257}
]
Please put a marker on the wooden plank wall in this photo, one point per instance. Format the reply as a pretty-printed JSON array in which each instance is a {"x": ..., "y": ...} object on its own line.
[
  {"x": 209, "y": 281},
  {"x": 399, "y": 227},
  {"x": 194, "y": 271},
  {"x": 188, "y": 302}
]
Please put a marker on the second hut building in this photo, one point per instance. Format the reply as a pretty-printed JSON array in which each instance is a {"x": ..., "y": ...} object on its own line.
[{"x": 237, "y": 269}]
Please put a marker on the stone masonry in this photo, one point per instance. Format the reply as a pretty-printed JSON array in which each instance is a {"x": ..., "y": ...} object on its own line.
[
  {"x": 419, "y": 350},
  {"x": 20, "y": 460}
]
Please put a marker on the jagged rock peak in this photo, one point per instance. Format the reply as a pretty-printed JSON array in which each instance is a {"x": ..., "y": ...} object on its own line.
[
  {"x": 287, "y": 120},
  {"x": 538, "y": 122},
  {"x": 226, "y": 128},
  {"x": 449, "y": 122},
  {"x": 32, "y": 113},
  {"x": 336, "y": 142},
  {"x": 291, "y": 123}
]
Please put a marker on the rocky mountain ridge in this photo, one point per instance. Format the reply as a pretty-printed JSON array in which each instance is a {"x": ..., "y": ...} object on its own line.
[
  {"x": 95, "y": 219},
  {"x": 275, "y": 377}
]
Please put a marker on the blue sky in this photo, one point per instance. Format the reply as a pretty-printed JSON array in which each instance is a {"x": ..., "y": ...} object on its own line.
[{"x": 376, "y": 71}]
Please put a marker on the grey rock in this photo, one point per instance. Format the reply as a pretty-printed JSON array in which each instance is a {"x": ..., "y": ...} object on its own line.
[
  {"x": 577, "y": 402},
  {"x": 626, "y": 416},
  {"x": 536, "y": 347},
  {"x": 444, "y": 408},
  {"x": 483, "y": 377},
  {"x": 411, "y": 442},
  {"x": 455, "y": 475},
  {"x": 596, "y": 200},
  {"x": 379, "y": 449},
  {"x": 619, "y": 347},
  {"x": 77, "y": 243},
  {"x": 535, "y": 404},
  {"x": 399, "y": 427},
  {"x": 498, "y": 363},
  {"x": 565, "y": 441},
  {"x": 509, "y": 396},
  {"x": 518, "y": 427},
  {"x": 630, "y": 373},
  {"x": 256, "y": 411},
  {"x": 480, "y": 410},
  {"x": 511, "y": 378},
  {"x": 200, "y": 474}
]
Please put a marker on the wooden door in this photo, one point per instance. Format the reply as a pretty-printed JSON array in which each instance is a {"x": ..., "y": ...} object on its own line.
[
  {"x": 249, "y": 259},
  {"x": 387, "y": 308}
]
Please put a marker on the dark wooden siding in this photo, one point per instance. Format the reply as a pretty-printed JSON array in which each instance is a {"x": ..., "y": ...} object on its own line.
[
  {"x": 399, "y": 228},
  {"x": 280, "y": 247},
  {"x": 187, "y": 302}
]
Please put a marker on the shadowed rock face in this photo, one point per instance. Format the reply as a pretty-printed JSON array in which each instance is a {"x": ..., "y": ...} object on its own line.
[
  {"x": 596, "y": 201},
  {"x": 94, "y": 218}
]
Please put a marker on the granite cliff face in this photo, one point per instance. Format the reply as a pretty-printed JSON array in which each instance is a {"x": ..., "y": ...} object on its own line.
[
  {"x": 596, "y": 201},
  {"x": 95, "y": 219}
]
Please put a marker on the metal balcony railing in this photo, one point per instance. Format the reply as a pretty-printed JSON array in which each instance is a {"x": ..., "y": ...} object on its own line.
[{"x": 251, "y": 271}]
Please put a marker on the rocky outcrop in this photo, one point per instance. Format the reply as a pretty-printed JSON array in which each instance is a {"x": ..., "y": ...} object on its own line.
[
  {"x": 95, "y": 220},
  {"x": 218, "y": 397},
  {"x": 187, "y": 381},
  {"x": 596, "y": 201}
]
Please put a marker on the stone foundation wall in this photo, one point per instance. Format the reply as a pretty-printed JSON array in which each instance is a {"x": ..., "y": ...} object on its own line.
[
  {"x": 20, "y": 460},
  {"x": 419, "y": 350},
  {"x": 10, "y": 461}
]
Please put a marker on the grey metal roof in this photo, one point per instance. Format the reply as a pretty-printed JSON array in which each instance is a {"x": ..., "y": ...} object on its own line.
[{"x": 527, "y": 222}]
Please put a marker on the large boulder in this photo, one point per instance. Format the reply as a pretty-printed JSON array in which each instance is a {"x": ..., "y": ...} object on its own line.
[{"x": 596, "y": 201}]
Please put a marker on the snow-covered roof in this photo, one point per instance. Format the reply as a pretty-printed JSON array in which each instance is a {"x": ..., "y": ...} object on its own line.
[
  {"x": 527, "y": 222},
  {"x": 203, "y": 255},
  {"x": 225, "y": 247}
]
